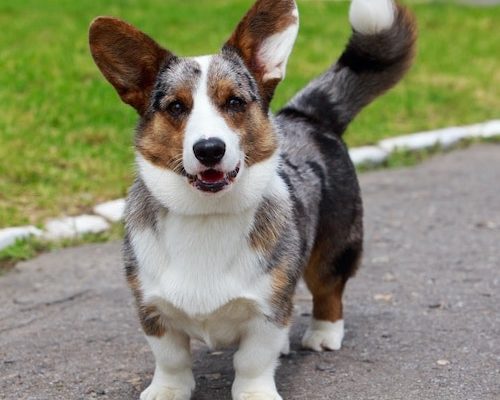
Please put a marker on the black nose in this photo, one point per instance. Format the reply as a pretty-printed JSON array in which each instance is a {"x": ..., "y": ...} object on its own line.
[{"x": 209, "y": 151}]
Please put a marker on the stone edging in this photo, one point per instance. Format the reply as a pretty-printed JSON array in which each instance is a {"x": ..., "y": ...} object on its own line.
[
  {"x": 112, "y": 211},
  {"x": 445, "y": 138}
]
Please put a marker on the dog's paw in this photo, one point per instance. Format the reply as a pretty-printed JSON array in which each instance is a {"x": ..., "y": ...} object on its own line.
[
  {"x": 157, "y": 392},
  {"x": 324, "y": 335},
  {"x": 258, "y": 396}
]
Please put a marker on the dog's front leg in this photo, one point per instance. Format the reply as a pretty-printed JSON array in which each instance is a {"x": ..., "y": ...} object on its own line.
[
  {"x": 173, "y": 378},
  {"x": 256, "y": 360}
]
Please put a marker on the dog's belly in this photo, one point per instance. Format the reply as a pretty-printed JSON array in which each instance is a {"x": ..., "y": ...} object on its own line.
[{"x": 220, "y": 328}]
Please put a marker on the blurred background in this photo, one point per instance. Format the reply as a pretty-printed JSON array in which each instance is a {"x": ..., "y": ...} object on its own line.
[{"x": 65, "y": 137}]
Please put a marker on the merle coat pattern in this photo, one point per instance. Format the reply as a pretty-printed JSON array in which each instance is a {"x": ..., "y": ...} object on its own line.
[{"x": 232, "y": 205}]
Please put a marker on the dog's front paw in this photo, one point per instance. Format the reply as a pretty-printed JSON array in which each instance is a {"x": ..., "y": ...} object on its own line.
[
  {"x": 258, "y": 396},
  {"x": 261, "y": 388},
  {"x": 157, "y": 392},
  {"x": 324, "y": 335}
]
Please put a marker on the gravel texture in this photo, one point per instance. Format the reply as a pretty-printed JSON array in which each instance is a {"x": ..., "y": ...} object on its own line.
[{"x": 422, "y": 316}]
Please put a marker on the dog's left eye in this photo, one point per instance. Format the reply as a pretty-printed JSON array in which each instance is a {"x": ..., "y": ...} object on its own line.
[{"x": 235, "y": 103}]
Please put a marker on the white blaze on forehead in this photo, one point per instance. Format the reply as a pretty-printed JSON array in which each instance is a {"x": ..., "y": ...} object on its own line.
[{"x": 205, "y": 121}]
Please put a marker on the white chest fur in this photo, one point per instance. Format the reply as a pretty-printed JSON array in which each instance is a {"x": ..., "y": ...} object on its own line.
[{"x": 201, "y": 271}]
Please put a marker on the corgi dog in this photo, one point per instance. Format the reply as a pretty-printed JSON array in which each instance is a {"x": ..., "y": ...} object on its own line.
[{"x": 231, "y": 204}]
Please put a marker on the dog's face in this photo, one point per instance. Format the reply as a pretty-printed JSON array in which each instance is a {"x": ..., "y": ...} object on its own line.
[{"x": 204, "y": 142}]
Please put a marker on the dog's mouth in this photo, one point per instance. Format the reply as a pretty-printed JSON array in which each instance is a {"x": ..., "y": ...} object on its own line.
[{"x": 213, "y": 180}]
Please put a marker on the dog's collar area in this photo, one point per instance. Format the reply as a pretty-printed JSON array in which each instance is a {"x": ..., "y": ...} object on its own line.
[{"x": 213, "y": 180}]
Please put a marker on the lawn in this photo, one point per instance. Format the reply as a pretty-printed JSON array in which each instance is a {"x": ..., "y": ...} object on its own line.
[{"x": 65, "y": 138}]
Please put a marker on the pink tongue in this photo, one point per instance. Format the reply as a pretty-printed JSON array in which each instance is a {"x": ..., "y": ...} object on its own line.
[{"x": 212, "y": 176}]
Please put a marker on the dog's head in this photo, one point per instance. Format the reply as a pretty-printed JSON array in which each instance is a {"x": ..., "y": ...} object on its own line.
[{"x": 205, "y": 142}]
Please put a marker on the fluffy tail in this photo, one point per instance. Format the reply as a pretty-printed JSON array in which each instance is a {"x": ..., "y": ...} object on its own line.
[{"x": 379, "y": 53}]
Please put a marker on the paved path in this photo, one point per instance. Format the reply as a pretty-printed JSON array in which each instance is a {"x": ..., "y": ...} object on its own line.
[{"x": 429, "y": 290}]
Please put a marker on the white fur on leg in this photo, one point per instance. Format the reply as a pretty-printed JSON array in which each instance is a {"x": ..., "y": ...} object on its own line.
[
  {"x": 285, "y": 350},
  {"x": 256, "y": 360},
  {"x": 371, "y": 16},
  {"x": 173, "y": 378},
  {"x": 324, "y": 335}
]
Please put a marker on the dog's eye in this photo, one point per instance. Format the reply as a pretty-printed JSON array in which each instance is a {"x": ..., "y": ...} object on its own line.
[
  {"x": 235, "y": 104},
  {"x": 176, "y": 108}
]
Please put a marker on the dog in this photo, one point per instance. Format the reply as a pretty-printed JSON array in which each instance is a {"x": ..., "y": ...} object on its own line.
[{"x": 232, "y": 205}]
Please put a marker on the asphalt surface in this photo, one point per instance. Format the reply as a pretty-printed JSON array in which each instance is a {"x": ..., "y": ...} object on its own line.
[{"x": 422, "y": 316}]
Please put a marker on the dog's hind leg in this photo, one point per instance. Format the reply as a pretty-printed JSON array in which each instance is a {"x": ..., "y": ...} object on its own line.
[{"x": 326, "y": 276}]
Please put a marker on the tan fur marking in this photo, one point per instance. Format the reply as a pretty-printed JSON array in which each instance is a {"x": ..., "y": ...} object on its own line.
[
  {"x": 220, "y": 90},
  {"x": 258, "y": 138},
  {"x": 150, "y": 318},
  {"x": 326, "y": 290},
  {"x": 161, "y": 141},
  {"x": 149, "y": 315},
  {"x": 327, "y": 304},
  {"x": 267, "y": 228},
  {"x": 133, "y": 283},
  {"x": 282, "y": 297}
]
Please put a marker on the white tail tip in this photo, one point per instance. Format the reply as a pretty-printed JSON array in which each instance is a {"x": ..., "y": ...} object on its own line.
[{"x": 371, "y": 16}]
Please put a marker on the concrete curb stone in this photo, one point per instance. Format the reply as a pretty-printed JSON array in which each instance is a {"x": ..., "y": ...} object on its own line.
[
  {"x": 111, "y": 210},
  {"x": 444, "y": 137},
  {"x": 368, "y": 155},
  {"x": 8, "y": 236},
  {"x": 71, "y": 227}
]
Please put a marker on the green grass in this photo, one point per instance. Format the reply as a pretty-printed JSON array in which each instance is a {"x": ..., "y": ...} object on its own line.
[{"x": 65, "y": 138}]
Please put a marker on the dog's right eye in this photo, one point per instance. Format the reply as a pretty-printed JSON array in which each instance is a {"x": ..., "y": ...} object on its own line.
[
  {"x": 176, "y": 108},
  {"x": 235, "y": 104}
]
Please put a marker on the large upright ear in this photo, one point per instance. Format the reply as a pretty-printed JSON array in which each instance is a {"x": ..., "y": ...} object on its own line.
[
  {"x": 129, "y": 59},
  {"x": 265, "y": 38}
]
